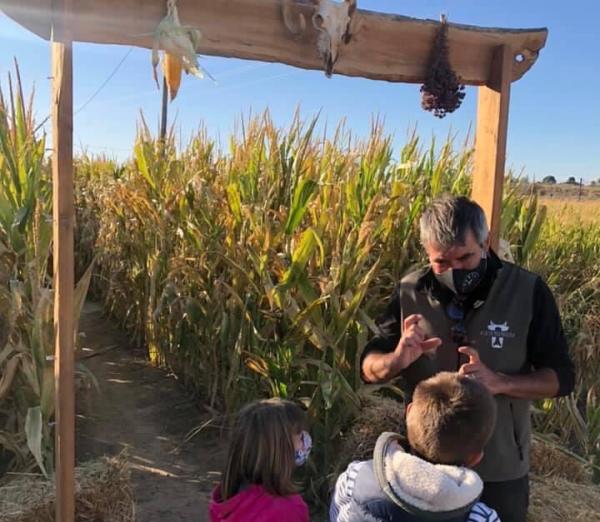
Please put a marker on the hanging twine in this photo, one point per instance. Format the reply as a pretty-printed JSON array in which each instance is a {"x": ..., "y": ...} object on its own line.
[{"x": 172, "y": 10}]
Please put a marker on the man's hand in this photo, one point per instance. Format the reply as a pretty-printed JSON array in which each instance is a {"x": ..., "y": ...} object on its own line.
[
  {"x": 413, "y": 342},
  {"x": 381, "y": 367},
  {"x": 475, "y": 369}
]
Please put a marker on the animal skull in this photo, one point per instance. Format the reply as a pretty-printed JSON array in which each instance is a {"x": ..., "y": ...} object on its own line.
[
  {"x": 294, "y": 21},
  {"x": 332, "y": 20}
]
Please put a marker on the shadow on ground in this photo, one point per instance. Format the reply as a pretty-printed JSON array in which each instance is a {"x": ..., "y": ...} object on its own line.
[{"x": 144, "y": 411}]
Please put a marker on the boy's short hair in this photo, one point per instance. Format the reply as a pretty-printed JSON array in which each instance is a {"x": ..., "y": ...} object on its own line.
[{"x": 452, "y": 418}]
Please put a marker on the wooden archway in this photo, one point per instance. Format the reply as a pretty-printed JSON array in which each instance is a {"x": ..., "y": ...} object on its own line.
[{"x": 383, "y": 47}]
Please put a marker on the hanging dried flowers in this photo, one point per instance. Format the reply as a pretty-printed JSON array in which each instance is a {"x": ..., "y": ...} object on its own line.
[{"x": 442, "y": 91}]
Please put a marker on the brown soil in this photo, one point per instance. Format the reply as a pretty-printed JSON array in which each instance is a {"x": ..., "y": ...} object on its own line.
[{"x": 144, "y": 411}]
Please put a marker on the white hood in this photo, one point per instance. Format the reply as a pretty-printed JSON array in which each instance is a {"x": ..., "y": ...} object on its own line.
[{"x": 419, "y": 484}]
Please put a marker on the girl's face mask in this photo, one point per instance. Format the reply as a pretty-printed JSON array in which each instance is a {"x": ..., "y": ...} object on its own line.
[{"x": 302, "y": 453}]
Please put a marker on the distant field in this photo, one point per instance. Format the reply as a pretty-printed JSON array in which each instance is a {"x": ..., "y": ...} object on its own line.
[
  {"x": 573, "y": 210},
  {"x": 569, "y": 203},
  {"x": 565, "y": 191}
]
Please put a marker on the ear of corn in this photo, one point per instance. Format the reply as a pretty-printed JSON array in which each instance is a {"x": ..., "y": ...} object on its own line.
[
  {"x": 172, "y": 70},
  {"x": 178, "y": 40}
]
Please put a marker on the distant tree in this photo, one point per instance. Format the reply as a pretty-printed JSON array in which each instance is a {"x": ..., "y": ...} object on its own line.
[
  {"x": 593, "y": 183},
  {"x": 572, "y": 181},
  {"x": 550, "y": 180}
]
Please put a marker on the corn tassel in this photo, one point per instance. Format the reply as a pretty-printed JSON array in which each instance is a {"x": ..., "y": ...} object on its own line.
[{"x": 172, "y": 68}]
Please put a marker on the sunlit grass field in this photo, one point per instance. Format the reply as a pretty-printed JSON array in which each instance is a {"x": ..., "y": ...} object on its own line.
[{"x": 572, "y": 211}]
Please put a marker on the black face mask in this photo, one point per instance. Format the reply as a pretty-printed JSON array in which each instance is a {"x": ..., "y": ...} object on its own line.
[{"x": 461, "y": 281}]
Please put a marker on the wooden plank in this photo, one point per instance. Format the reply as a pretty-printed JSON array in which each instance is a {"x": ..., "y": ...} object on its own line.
[
  {"x": 383, "y": 47},
  {"x": 62, "y": 186},
  {"x": 490, "y": 141}
]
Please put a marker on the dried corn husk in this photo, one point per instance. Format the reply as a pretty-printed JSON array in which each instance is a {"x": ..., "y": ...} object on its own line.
[
  {"x": 172, "y": 68},
  {"x": 178, "y": 40}
]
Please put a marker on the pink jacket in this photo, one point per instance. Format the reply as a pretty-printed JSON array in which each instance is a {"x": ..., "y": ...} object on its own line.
[{"x": 255, "y": 504}]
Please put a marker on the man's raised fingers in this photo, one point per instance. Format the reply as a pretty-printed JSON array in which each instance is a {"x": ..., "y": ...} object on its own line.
[
  {"x": 431, "y": 344},
  {"x": 468, "y": 368},
  {"x": 412, "y": 319},
  {"x": 415, "y": 332},
  {"x": 470, "y": 352}
]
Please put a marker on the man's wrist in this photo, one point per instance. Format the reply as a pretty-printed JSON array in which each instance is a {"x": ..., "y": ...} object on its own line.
[
  {"x": 397, "y": 363},
  {"x": 503, "y": 384}
]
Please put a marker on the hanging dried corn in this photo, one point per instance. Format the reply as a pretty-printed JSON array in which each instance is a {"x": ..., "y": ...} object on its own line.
[
  {"x": 179, "y": 43},
  {"x": 442, "y": 91},
  {"x": 172, "y": 68}
]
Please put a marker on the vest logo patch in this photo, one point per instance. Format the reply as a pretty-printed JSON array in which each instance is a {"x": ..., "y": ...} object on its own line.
[{"x": 497, "y": 333}]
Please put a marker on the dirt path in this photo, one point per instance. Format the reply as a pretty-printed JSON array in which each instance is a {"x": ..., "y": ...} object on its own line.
[{"x": 144, "y": 410}]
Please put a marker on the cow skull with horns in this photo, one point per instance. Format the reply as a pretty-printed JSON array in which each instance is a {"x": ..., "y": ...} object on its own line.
[{"x": 331, "y": 19}]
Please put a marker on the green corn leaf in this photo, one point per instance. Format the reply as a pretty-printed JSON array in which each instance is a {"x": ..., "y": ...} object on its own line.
[
  {"x": 302, "y": 194},
  {"x": 33, "y": 431},
  {"x": 235, "y": 202}
]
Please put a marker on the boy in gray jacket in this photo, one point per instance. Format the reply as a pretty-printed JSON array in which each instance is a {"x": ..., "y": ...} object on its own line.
[{"x": 448, "y": 423}]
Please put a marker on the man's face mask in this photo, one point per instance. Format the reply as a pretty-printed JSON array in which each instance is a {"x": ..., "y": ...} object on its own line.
[
  {"x": 301, "y": 455},
  {"x": 461, "y": 281}
]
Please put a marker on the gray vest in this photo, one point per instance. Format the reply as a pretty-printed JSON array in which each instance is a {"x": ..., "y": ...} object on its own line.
[{"x": 498, "y": 329}]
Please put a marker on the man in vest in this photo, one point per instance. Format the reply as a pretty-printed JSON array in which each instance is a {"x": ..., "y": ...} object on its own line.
[{"x": 470, "y": 312}]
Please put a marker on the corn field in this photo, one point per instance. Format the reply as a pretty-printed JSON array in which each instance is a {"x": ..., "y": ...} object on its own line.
[
  {"x": 259, "y": 270},
  {"x": 26, "y": 296}
]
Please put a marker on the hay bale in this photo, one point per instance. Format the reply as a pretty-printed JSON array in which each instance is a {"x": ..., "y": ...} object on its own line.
[
  {"x": 378, "y": 414},
  {"x": 549, "y": 460},
  {"x": 554, "y": 498},
  {"x": 103, "y": 494}
]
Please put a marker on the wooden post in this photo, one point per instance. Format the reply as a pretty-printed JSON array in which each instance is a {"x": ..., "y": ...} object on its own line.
[
  {"x": 490, "y": 140},
  {"x": 164, "y": 110},
  {"x": 62, "y": 186}
]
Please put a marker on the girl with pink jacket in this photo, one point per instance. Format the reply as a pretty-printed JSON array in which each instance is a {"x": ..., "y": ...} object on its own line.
[{"x": 269, "y": 440}]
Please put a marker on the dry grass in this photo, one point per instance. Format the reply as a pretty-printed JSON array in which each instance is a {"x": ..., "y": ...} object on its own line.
[
  {"x": 557, "y": 499},
  {"x": 378, "y": 414},
  {"x": 548, "y": 460},
  {"x": 572, "y": 211},
  {"x": 103, "y": 494}
]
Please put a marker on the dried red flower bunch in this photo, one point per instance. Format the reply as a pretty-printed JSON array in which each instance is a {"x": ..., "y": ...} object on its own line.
[{"x": 442, "y": 91}]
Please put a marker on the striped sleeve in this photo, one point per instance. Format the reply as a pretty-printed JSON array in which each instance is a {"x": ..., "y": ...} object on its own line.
[
  {"x": 482, "y": 513},
  {"x": 341, "y": 506}
]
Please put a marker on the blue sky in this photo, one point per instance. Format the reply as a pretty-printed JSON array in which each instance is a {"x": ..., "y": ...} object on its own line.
[{"x": 554, "y": 123}]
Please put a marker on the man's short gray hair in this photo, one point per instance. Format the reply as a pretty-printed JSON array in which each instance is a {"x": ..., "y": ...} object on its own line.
[{"x": 446, "y": 222}]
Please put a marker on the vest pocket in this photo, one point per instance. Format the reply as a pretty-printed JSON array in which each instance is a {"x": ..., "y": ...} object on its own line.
[{"x": 515, "y": 433}]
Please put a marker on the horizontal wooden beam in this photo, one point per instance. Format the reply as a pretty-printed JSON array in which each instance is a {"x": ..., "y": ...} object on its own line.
[{"x": 383, "y": 46}]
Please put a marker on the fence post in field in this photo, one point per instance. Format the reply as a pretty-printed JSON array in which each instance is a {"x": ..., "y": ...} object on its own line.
[
  {"x": 164, "y": 108},
  {"x": 490, "y": 140},
  {"x": 62, "y": 188}
]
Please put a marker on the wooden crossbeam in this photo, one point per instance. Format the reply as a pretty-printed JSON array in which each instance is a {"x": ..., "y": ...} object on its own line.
[{"x": 383, "y": 47}]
